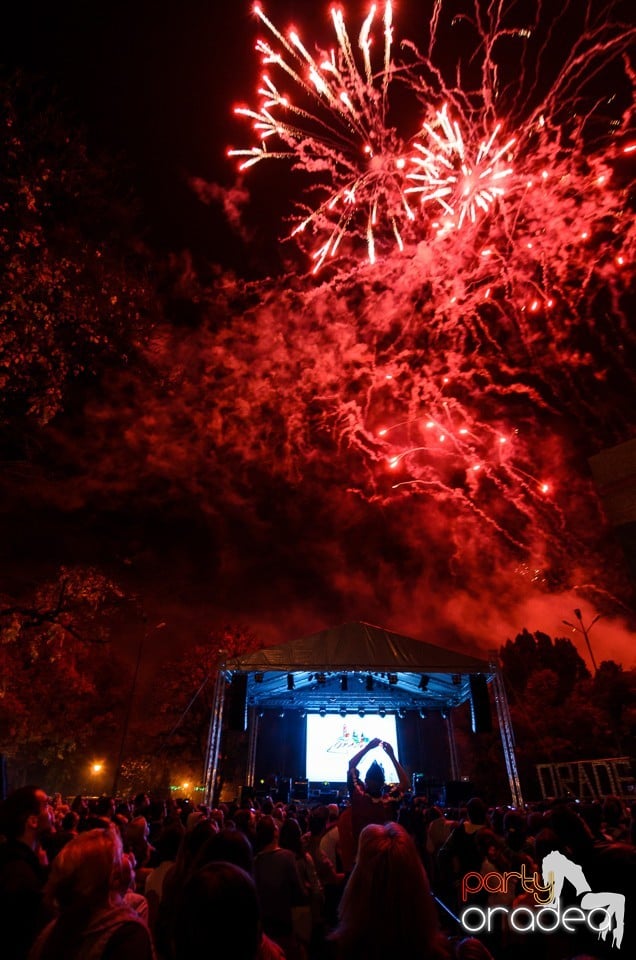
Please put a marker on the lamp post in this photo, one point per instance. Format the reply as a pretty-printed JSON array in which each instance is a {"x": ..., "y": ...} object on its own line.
[
  {"x": 581, "y": 628},
  {"x": 131, "y": 697}
]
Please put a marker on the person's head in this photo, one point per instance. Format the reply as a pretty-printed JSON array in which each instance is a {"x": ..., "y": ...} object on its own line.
[
  {"x": 127, "y": 873},
  {"x": 219, "y": 906},
  {"x": 291, "y": 837},
  {"x": 387, "y": 908},
  {"x": 87, "y": 872},
  {"x": 477, "y": 811},
  {"x": 487, "y": 844},
  {"x": 613, "y": 811},
  {"x": 169, "y": 840},
  {"x": 266, "y": 832},
  {"x": 245, "y": 821},
  {"x": 25, "y": 815},
  {"x": 141, "y": 805},
  {"x": 70, "y": 821},
  {"x": 333, "y": 812},
  {"x": 470, "y": 948},
  {"x": 318, "y": 821},
  {"x": 229, "y": 846},
  {"x": 80, "y": 805},
  {"x": 374, "y": 780},
  {"x": 105, "y": 807}
]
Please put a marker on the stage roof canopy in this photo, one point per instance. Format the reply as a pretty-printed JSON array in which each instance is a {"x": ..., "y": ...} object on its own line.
[{"x": 358, "y": 666}]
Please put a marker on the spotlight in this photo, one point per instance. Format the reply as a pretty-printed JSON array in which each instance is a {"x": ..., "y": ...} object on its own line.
[
  {"x": 343, "y": 711},
  {"x": 281, "y": 714},
  {"x": 392, "y": 678},
  {"x": 323, "y": 711},
  {"x": 321, "y": 678},
  {"x": 361, "y": 712},
  {"x": 369, "y": 683},
  {"x": 261, "y": 714},
  {"x": 302, "y": 713},
  {"x": 344, "y": 682},
  {"x": 290, "y": 681},
  {"x": 457, "y": 679},
  {"x": 424, "y": 682},
  {"x": 258, "y": 677},
  {"x": 382, "y": 711},
  {"x": 402, "y": 713},
  {"x": 444, "y": 714},
  {"x": 423, "y": 714}
]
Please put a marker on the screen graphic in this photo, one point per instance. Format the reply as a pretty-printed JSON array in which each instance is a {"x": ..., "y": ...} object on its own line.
[{"x": 333, "y": 740}]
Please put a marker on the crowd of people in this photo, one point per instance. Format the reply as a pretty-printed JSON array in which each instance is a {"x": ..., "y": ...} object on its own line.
[{"x": 378, "y": 875}]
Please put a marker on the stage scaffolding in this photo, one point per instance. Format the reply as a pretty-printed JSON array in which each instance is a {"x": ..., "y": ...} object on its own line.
[{"x": 269, "y": 688}]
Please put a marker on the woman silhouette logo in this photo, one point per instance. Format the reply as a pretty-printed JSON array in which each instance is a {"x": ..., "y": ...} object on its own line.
[{"x": 556, "y": 869}]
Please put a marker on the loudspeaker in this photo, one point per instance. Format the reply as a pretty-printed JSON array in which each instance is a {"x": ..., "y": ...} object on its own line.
[
  {"x": 247, "y": 794},
  {"x": 480, "y": 718},
  {"x": 284, "y": 789},
  {"x": 429, "y": 787},
  {"x": 459, "y": 792},
  {"x": 418, "y": 785},
  {"x": 3, "y": 777},
  {"x": 300, "y": 790},
  {"x": 237, "y": 703}
]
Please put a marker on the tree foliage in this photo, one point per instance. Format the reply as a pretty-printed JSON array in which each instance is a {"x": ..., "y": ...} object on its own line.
[
  {"x": 74, "y": 291},
  {"x": 187, "y": 693},
  {"x": 59, "y": 682},
  {"x": 559, "y": 711}
]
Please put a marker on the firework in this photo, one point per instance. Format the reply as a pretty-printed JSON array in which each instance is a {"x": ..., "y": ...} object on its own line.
[
  {"x": 483, "y": 348},
  {"x": 334, "y": 126},
  {"x": 461, "y": 183}
]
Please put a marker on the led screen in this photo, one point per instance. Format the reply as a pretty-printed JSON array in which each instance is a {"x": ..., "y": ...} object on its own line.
[{"x": 333, "y": 740}]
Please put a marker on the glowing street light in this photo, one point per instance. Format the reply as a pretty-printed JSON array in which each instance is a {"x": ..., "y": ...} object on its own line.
[{"x": 581, "y": 628}]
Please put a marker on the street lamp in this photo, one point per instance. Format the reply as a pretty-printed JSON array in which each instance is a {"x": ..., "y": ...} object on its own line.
[{"x": 581, "y": 628}]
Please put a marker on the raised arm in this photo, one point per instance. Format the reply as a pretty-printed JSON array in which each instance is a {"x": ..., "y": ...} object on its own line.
[
  {"x": 399, "y": 769},
  {"x": 355, "y": 760}
]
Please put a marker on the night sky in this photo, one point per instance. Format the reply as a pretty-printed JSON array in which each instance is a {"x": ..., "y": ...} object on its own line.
[{"x": 288, "y": 551}]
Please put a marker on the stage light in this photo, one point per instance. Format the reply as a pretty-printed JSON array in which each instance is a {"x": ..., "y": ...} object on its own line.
[
  {"x": 323, "y": 711},
  {"x": 321, "y": 678},
  {"x": 261, "y": 714},
  {"x": 344, "y": 682},
  {"x": 361, "y": 713},
  {"x": 444, "y": 714},
  {"x": 343, "y": 711},
  {"x": 392, "y": 678},
  {"x": 258, "y": 678},
  {"x": 290, "y": 681},
  {"x": 457, "y": 679},
  {"x": 382, "y": 711},
  {"x": 402, "y": 713},
  {"x": 369, "y": 683},
  {"x": 424, "y": 682},
  {"x": 281, "y": 714},
  {"x": 423, "y": 714},
  {"x": 303, "y": 713}
]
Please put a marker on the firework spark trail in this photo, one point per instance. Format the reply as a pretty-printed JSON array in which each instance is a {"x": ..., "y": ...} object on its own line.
[
  {"x": 517, "y": 260},
  {"x": 340, "y": 130}
]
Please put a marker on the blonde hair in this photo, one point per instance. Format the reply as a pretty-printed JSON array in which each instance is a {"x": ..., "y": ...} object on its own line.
[
  {"x": 387, "y": 908},
  {"x": 86, "y": 870}
]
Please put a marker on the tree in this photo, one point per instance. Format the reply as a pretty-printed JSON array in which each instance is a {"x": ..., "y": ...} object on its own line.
[
  {"x": 559, "y": 713},
  {"x": 59, "y": 682},
  {"x": 187, "y": 690},
  {"x": 75, "y": 295}
]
